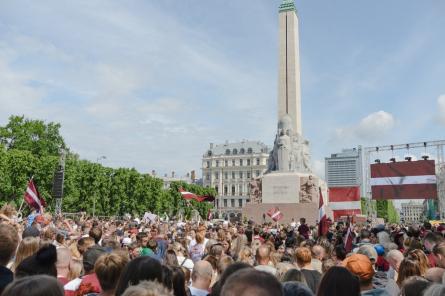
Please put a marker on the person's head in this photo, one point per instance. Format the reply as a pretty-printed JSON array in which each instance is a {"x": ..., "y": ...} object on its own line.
[
  {"x": 216, "y": 289},
  {"x": 435, "y": 274},
  {"x": 339, "y": 253},
  {"x": 245, "y": 255},
  {"x": 199, "y": 238},
  {"x": 42, "y": 262},
  {"x": 148, "y": 288},
  {"x": 263, "y": 254},
  {"x": 223, "y": 263},
  {"x": 414, "y": 286},
  {"x": 419, "y": 256},
  {"x": 435, "y": 290},
  {"x": 293, "y": 275},
  {"x": 318, "y": 252},
  {"x": 137, "y": 270},
  {"x": 439, "y": 252},
  {"x": 84, "y": 244},
  {"x": 167, "y": 276},
  {"x": 327, "y": 264},
  {"x": 9, "y": 241},
  {"x": 142, "y": 239},
  {"x": 303, "y": 256},
  {"x": 178, "y": 281},
  {"x": 252, "y": 282},
  {"x": 361, "y": 266},
  {"x": 90, "y": 257},
  {"x": 27, "y": 247},
  {"x": 338, "y": 281},
  {"x": 369, "y": 251},
  {"x": 431, "y": 239},
  {"x": 394, "y": 258},
  {"x": 408, "y": 267},
  {"x": 202, "y": 274},
  {"x": 35, "y": 285},
  {"x": 108, "y": 268},
  {"x": 63, "y": 261},
  {"x": 170, "y": 258},
  {"x": 302, "y": 221},
  {"x": 296, "y": 289}
]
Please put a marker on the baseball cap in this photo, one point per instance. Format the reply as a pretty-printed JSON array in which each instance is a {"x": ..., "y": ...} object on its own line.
[
  {"x": 379, "y": 249},
  {"x": 126, "y": 241},
  {"x": 359, "y": 265}
]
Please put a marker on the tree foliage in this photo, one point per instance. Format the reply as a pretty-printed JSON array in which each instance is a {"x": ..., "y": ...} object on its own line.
[{"x": 30, "y": 148}]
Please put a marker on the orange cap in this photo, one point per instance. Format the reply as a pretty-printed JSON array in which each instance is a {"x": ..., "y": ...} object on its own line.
[{"x": 359, "y": 265}]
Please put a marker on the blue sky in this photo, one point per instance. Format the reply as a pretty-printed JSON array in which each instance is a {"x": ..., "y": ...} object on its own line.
[{"x": 149, "y": 84}]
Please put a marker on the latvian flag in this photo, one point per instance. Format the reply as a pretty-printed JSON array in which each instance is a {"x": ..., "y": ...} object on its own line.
[
  {"x": 275, "y": 214},
  {"x": 33, "y": 198},
  {"x": 322, "y": 220},
  {"x": 344, "y": 201},
  {"x": 404, "y": 180},
  {"x": 187, "y": 195}
]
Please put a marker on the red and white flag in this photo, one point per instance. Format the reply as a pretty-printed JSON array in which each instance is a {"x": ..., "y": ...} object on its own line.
[
  {"x": 322, "y": 219},
  {"x": 187, "y": 195},
  {"x": 33, "y": 198},
  {"x": 345, "y": 201},
  {"x": 349, "y": 237},
  {"x": 404, "y": 180},
  {"x": 275, "y": 214}
]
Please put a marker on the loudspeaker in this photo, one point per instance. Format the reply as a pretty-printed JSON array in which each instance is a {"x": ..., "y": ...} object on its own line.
[{"x": 58, "y": 183}]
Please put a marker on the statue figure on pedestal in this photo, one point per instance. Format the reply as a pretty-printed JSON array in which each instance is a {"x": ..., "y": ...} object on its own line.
[
  {"x": 255, "y": 191},
  {"x": 283, "y": 152},
  {"x": 308, "y": 190}
]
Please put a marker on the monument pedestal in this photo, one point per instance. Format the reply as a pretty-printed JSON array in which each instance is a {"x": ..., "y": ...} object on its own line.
[{"x": 296, "y": 210}]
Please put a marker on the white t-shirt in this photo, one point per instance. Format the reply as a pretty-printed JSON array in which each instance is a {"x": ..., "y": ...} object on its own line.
[{"x": 186, "y": 262}]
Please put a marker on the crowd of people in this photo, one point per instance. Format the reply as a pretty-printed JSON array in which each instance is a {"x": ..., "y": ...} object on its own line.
[{"x": 48, "y": 255}]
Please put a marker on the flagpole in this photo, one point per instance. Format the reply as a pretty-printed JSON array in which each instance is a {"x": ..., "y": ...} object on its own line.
[{"x": 23, "y": 200}]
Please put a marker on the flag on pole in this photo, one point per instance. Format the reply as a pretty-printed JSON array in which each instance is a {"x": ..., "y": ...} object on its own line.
[
  {"x": 275, "y": 214},
  {"x": 187, "y": 195},
  {"x": 344, "y": 201},
  {"x": 349, "y": 236},
  {"x": 322, "y": 219},
  {"x": 33, "y": 198}
]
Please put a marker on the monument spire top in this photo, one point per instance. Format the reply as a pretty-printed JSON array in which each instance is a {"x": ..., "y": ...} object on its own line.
[{"x": 287, "y": 5}]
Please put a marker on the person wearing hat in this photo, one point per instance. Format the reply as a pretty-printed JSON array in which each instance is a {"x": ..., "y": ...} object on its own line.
[{"x": 361, "y": 266}]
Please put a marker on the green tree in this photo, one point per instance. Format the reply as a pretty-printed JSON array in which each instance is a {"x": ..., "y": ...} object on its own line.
[{"x": 35, "y": 136}]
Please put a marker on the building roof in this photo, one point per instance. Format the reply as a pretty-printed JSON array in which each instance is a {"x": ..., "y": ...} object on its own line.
[{"x": 244, "y": 147}]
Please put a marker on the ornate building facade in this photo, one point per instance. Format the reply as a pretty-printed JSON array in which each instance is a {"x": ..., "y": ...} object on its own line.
[{"x": 230, "y": 168}]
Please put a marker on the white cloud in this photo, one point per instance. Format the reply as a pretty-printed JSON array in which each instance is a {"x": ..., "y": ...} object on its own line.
[
  {"x": 441, "y": 108},
  {"x": 372, "y": 127}
]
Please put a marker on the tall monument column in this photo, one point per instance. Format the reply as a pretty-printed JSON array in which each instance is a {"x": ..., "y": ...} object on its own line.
[{"x": 289, "y": 93}]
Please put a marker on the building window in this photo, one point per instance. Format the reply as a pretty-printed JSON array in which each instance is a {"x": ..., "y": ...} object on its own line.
[
  {"x": 208, "y": 176},
  {"x": 216, "y": 175},
  {"x": 226, "y": 176},
  {"x": 225, "y": 203},
  {"x": 233, "y": 162},
  {"x": 249, "y": 150},
  {"x": 226, "y": 163},
  {"x": 232, "y": 203},
  {"x": 241, "y": 162},
  {"x": 240, "y": 203},
  {"x": 257, "y": 173},
  {"x": 240, "y": 189},
  {"x": 217, "y": 203},
  {"x": 233, "y": 175},
  {"x": 227, "y": 151},
  {"x": 217, "y": 189},
  {"x": 233, "y": 190},
  {"x": 240, "y": 175},
  {"x": 248, "y": 175},
  {"x": 208, "y": 164},
  {"x": 257, "y": 161},
  {"x": 235, "y": 152},
  {"x": 248, "y": 162},
  {"x": 242, "y": 151},
  {"x": 209, "y": 153},
  {"x": 225, "y": 190},
  {"x": 217, "y": 163}
]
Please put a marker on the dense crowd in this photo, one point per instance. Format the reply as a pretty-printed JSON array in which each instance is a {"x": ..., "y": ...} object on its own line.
[{"x": 47, "y": 255}]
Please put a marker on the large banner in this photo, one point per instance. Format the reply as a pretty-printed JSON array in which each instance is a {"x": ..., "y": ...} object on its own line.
[
  {"x": 404, "y": 180},
  {"x": 344, "y": 201}
]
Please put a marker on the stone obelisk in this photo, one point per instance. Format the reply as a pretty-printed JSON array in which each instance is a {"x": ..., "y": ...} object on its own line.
[{"x": 289, "y": 93}]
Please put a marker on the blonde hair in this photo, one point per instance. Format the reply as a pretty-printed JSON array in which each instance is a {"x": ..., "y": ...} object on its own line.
[
  {"x": 76, "y": 269},
  {"x": 146, "y": 288},
  {"x": 27, "y": 247},
  {"x": 245, "y": 255},
  {"x": 108, "y": 269}
]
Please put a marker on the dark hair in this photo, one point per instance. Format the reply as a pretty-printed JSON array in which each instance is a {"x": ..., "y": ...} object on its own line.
[
  {"x": 217, "y": 287},
  {"x": 96, "y": 234},
  {"x": 246, "y": 280},
  {"x": 408, "y": 267},
  {"x": 167, "y": 277},
  {"x": 139, "y": 269},
  {"x": 414, "y": 286},
  {"x": 293, "y": 275},
  {"x": 340, "y": 252},
  {"x": 178, "y": 281},
  {"x": 42, "y": 262},
  {"x": 339, "y": 281},
  {"x": 35, "y": 285},
  {"x": 296, "y": 289}
]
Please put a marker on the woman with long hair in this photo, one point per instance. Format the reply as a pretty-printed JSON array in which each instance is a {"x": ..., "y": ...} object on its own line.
[
  {"x": 27, "y": 247},
  {"x": 419, "y": 256},
  {"x": 339, "y": 281},
  {"x": 408, "y": 268}
]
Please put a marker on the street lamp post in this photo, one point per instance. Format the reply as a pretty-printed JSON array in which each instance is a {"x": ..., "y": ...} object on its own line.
[{"x": 94, "y": 199}]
